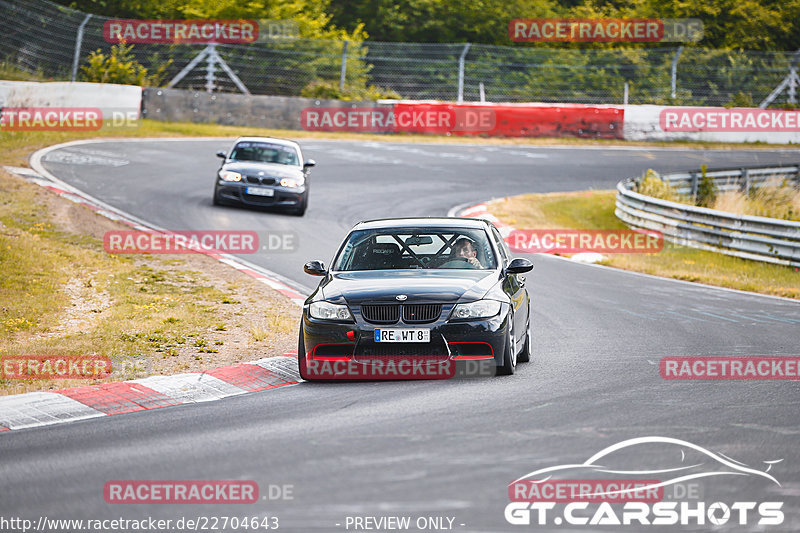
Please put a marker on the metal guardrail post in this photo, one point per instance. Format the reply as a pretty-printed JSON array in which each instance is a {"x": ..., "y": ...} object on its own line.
[
  {"x": 674, "y": 73},
  {"x": 78, "y": 44},
  {"x": 745, "y": 181},
  {"x": 694, "y": 184},
  {"x": 461, "y": 72},
  {"x": 343, "y": 71}
]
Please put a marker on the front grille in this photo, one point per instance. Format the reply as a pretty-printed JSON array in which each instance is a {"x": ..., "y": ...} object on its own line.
[
  {"x": 262, "y": 181},
  {"x": 390, "y": 313},
  {"x": 425, "y": 359},
  {"x": 334, "y": 350},
  {"x": 381, "y": 313},
  {"x": 421, "y": 313},
  {"x": 395, "y": 351},
  {"x": 402, "y": 348}
]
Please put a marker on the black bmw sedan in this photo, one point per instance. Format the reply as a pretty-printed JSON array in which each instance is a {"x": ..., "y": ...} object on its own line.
[
  {"x": 404, "y": 294},
  {"x": 263, "y": 171}
]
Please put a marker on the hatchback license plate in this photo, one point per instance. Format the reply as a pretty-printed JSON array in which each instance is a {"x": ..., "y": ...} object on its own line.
[
  {"x": 403, "y": 335},
  {"x": 259, "y": 191}
]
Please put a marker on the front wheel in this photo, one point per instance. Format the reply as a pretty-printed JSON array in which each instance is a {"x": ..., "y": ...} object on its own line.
[
  {"x": 300, "y": 210},
  {"x": 509, "y": 353}
]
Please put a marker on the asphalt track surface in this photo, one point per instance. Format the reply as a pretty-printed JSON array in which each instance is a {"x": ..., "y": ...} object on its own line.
[{"x": 444, "y": 448}]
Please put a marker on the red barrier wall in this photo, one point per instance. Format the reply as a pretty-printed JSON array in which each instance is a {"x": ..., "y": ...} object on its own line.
[{"x": 574, "y": 120}]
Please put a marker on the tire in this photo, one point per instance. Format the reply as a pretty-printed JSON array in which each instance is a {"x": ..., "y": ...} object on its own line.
[
  {"x": 509, "y": 353},
  {"x": 301, "y": 209},
  {"x": 301, "y": 355},
  {"x": 216, "y": 200},
  {"x": 526, "y": 353}
]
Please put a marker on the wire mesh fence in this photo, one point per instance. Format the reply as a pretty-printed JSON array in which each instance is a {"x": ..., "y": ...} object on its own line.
[{"x": 50, "y": 40}]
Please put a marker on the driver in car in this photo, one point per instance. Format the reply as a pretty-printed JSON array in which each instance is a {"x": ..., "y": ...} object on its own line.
[{"x": 465, "y": 249}]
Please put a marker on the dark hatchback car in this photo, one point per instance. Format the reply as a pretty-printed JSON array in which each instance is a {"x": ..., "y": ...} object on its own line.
[
  {"x": 445, "y": 289},
  {"x": 264, "y": 172}
]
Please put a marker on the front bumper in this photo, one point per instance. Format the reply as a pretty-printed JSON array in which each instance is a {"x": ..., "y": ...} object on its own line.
[
  {"x": 348, "y": 350},
  {"x": 234, "y": 191}
]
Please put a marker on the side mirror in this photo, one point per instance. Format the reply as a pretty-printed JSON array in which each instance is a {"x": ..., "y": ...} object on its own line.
[
  {"x": 222, "y": 155},
  {"x": 519, "y": 265},
  {"x": 309, "y": 163},
  {"x": 315, "y": 268}
]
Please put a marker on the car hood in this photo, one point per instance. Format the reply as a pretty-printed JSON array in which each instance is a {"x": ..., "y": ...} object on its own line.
[
  {"x": 418, "y": 285},
  {"x": 274, "y": 170}
]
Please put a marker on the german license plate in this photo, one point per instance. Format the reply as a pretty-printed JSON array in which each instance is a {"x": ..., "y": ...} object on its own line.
[
  {"x": 402, "y": 335},
  {"x": 259, "y": 191}
]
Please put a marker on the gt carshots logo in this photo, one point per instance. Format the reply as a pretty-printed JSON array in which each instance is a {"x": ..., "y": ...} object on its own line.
[{"x": 556, "y": 495}]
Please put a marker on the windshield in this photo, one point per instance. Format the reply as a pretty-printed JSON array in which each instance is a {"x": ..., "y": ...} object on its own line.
[
  {"x": 265, "y": 153},
  {"x": 414, "y": 248}
]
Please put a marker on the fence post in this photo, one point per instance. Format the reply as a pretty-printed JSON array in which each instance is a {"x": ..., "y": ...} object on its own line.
[
  {"x": 745, "y": 181},
  {"x": 461, "y": 73},
  {"x": 343, "y": 71},
  {"x": 694, "y": 185},
  {"x": 625, "y": 95},
  {"x": 78, "y": 44},
  {"x": 210, "y": 69},
  {"x": 674, "y": 75}
]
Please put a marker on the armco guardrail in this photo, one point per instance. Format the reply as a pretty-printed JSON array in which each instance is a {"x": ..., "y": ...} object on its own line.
[{"x": 749, "y": 237}]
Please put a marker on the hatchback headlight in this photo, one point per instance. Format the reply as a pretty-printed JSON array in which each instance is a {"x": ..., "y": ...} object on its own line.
[
  {"x": 291, "y": 183},
  {"x": 479, "y": 309},
  {"x": 229, "y": 175},
  {"x": 329, "y": 311}
]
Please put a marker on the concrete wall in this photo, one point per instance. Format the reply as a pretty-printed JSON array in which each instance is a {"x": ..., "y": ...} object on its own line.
[
  {"x": 282, "y": 112},
  {"x": 635, "y": 122},
  {"x": 108, "y": 97}
]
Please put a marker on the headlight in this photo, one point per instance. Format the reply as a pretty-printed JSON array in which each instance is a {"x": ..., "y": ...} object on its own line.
[
  {"x": 227, "y": 175},
  {"x": 329, "y": 311},
  {"x": 289, "y": 182},
  {"x": 479, "y": 309}
]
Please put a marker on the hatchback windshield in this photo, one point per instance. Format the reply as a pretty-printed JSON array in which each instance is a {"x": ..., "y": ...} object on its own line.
[
  {"x": 265, "y": 153},
  {"x": 414, "y": 248}
]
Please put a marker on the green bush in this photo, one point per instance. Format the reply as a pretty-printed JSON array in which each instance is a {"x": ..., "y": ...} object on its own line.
[
  {"x": 330, "y": 91},
  {"x": 741, "y": 99},
  {"x": 119, "y": 66},
  {"x": 652, "y": 185},
  {"x": 706, "y": 189}
]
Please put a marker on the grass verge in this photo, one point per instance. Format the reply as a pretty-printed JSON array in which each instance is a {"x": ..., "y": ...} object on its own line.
[
  {"x": 62, "y": 295},
  {"x": 595, "y": 210}
]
